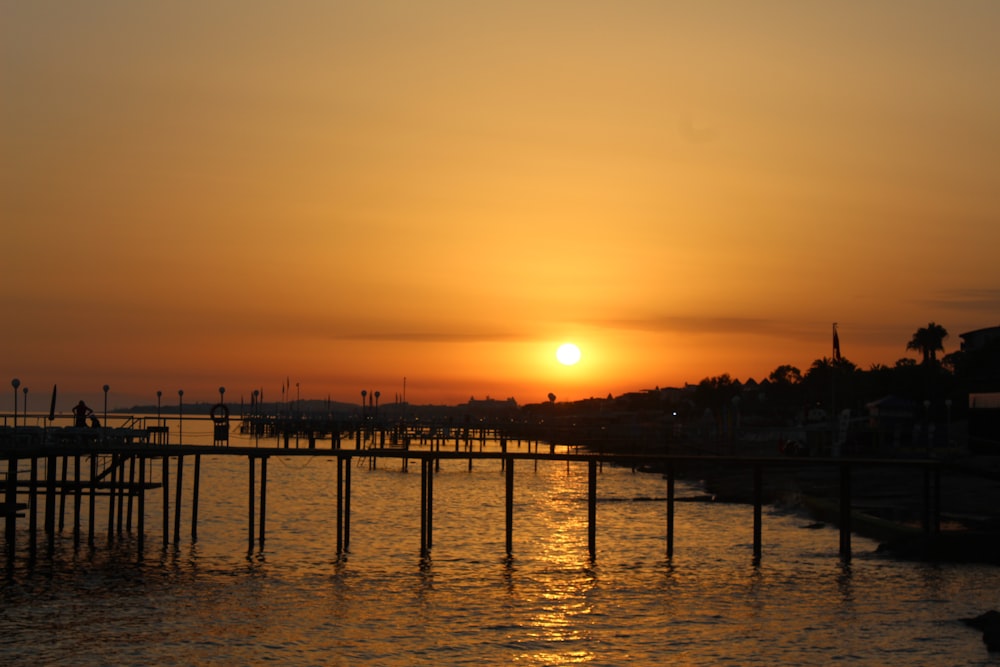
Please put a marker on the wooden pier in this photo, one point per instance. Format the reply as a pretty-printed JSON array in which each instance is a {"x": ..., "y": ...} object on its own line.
[{"x": 120, "y": 471}]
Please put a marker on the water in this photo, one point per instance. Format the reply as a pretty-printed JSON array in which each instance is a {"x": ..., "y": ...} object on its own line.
[{"x": 214, "y": 603}]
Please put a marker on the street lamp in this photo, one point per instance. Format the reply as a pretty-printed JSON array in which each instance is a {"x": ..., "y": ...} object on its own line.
[
  {"x": 25, "y": 406},
  {"x": 222, "y": 392},
  {"x": 159, "y": 395}
]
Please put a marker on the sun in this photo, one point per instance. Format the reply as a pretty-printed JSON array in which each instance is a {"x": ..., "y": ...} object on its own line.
[{"x": 568, "y": 354}]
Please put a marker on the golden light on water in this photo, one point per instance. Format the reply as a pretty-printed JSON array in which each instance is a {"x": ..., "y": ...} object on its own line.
[{"x": 564, "y": 605}]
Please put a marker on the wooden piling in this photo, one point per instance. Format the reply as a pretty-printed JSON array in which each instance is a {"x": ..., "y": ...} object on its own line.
[
  {"x": 592, "y": 508},
  {"x": 62, "y": 493},
  {"x": 92, "y": 507},
  {"x": 10, "y": 506},
  {"x": 430, "y": 504},
  {"x": 340, "y": 505},
  {"x": 33, "y": 507},
  {"x": 250, "y": 503},
  {"x": 141, "y": 525},
  {"x": 195, "y": 493},
  {"x": 131, "y": 493},
  {"x": 509, "y": 504},
  {"x": 670, "y": 511},
  {"x": 166, "y": 500},
  {"x": 111, "y": 497},
  {"x": 120, "y": 492},
  {"x": 423, "y": 508},
  {"x": 347, "y": 505},
  {"x": 263, "y": 500},
  {"x": 178, "y": 494},
  {"x": 77, "y": 500}
]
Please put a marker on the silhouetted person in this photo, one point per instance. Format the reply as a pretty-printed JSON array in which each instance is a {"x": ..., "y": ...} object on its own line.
[{"x": 80, "y": 414}]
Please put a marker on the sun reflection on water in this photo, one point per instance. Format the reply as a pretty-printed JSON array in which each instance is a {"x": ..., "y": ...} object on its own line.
[{"x": 562, "y": 581}]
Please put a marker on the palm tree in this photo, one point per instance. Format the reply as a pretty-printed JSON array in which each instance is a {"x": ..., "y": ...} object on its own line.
[{"x": 928, "y": 341}]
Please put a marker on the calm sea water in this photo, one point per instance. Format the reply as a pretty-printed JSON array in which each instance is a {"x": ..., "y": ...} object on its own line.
[{"x": 212, "y": 602}]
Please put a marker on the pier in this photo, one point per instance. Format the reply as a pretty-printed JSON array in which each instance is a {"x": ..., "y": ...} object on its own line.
[{"x": 49, "y": 475}]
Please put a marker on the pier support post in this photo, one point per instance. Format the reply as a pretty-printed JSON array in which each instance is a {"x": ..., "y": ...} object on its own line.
[
  {"x": 178, "y": 494},
  {"x": 670, "y": 510},
  {"x": 92, "y": 508},
  {"x": 194, "y": 497},
  {"x": 250, "y": 502},
  {"x": 509, "y": 504},
  {"x": 141, "y": 523},
  {"x": 50, "y": 503},
  {"x": 845, "y": 512},
  {"x": 33, "y": 509},
  {"x": 131, "y": 492},
  {"x": 166, "y": 500},
  {"x": 340, "y": 505},
  {"x": 348, "y": 464},
  {"x": 424, "y": 548},
  {"x": 77, "y": 500},
  {"x": 111, "y": 497},
  {"x": 263, "y": 501},
  {"x": 10, "y": 500},
  {"x": 591, "y": 508},
  {"x": 62, "y": 493},
  {"x": 758, "y": 498}
]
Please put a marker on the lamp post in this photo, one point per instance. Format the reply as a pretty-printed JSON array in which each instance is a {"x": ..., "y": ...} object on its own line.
[
  {"x": 222, "y": 392},
  {"x": 15, "y": 383},
  {"x": 106, "y": 388},
  {"x": 24, "y": 408},
  {"x": 377, "y": 394},
  {"x": 159, "y": 395}
]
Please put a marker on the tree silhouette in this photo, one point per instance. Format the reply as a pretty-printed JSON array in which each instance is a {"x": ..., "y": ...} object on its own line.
[
  {"x": 552, "y": 397},
  {"x": 928, "y": 341}
]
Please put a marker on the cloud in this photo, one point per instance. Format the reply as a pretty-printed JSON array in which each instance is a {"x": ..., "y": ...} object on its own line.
[
  {"x": 973, "y": 300},
  {"x": 696, "y": 324},
  {"x": 403, "y": 336}
]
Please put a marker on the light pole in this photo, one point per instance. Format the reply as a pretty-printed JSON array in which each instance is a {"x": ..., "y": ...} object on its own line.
[
  {"x": 159, "y": 395},
  {"x": 106, "y": 388},
  {"x": 222, "y": 392},
  {"x": 24, "y": 408},
  {"x": 377, "y": 394},
  {"x": 15, "y": 383}
]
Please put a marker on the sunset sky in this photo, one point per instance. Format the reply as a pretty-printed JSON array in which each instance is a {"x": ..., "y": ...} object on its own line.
[{"x": 343, "y": 194}]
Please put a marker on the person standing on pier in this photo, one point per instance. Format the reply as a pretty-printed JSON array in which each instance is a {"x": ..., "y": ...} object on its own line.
[{"x": 80, "y": 414}]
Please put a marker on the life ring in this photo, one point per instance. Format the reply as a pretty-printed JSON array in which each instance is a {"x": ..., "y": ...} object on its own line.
[{"x": 223, "y": 408}]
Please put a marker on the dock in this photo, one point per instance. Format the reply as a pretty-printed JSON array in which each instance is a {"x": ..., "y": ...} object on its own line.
[{"x": 49, "y": 476}]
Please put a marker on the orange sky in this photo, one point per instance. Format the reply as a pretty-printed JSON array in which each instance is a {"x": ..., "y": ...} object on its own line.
[{"x": 345, "y": 194}]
